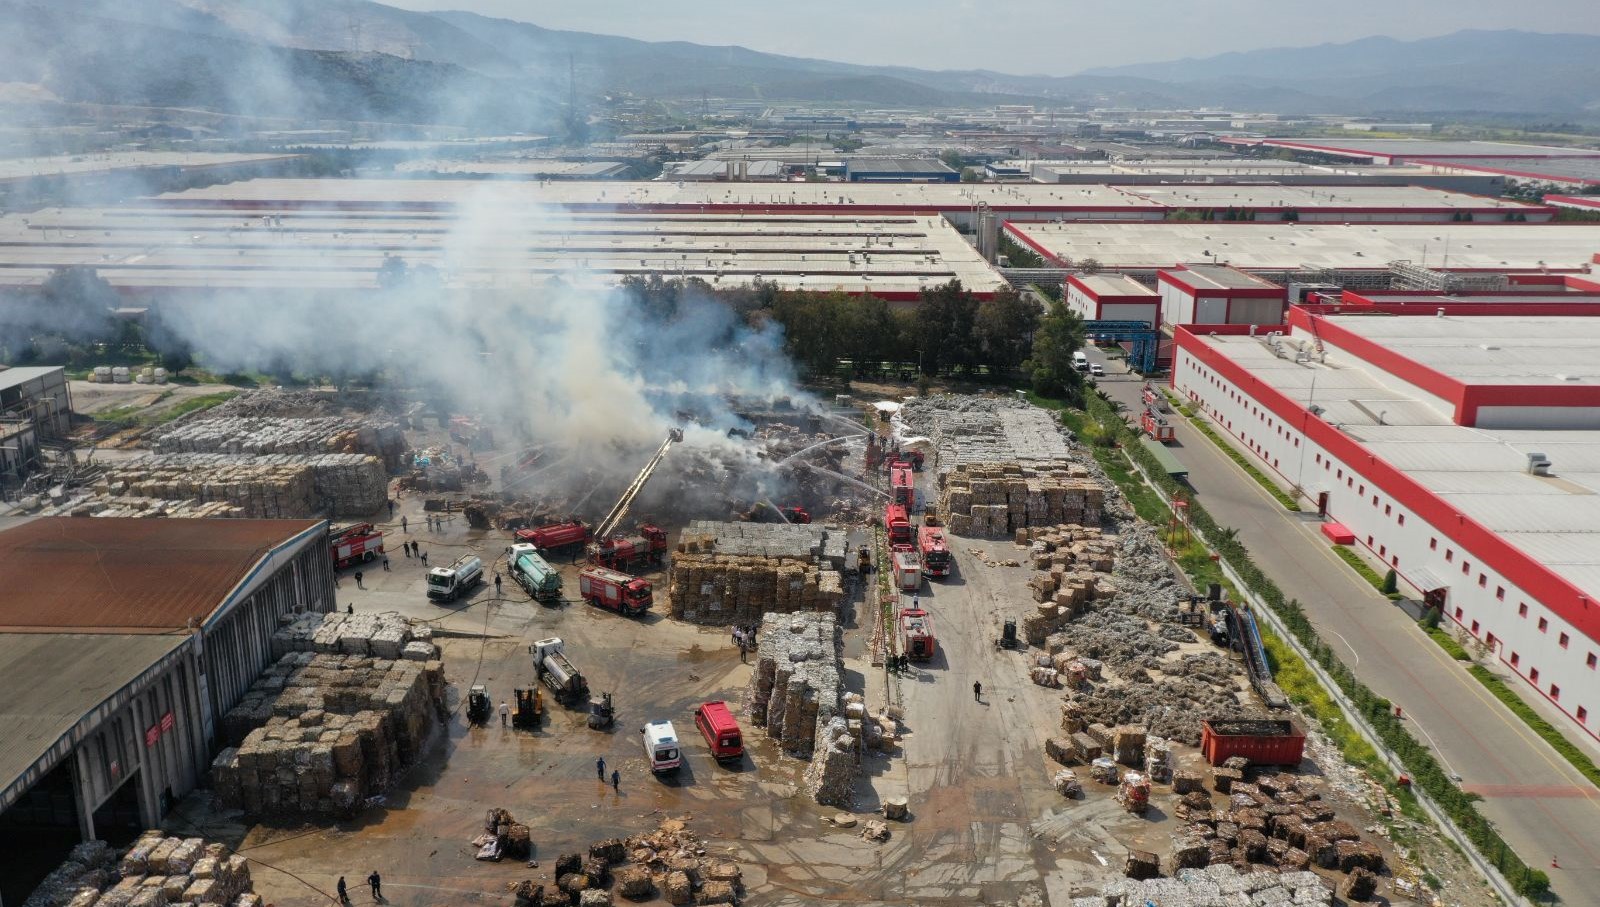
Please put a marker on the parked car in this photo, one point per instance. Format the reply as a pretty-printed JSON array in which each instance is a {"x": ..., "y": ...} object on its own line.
[{"x": 1096, "y": 370}]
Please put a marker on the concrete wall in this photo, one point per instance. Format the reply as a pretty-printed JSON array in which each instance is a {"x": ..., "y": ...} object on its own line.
[{"x": 1525, "y": 635}]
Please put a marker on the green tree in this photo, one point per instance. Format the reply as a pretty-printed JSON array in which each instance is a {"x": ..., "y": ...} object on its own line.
[
  {"x": 78, "y": 304},
  {"x": 942, "y": 331},
  {"x": 1060, "y": 334},
  {"x": 1005, "y": 325}
]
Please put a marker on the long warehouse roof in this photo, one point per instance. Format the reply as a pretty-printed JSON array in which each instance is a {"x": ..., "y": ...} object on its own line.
[
  {"x": 667, "y": 196},
  {"x": 496, "y": 246},
  {"x": 25, "y": 167},
  {"x": 1300, "y": 246}
]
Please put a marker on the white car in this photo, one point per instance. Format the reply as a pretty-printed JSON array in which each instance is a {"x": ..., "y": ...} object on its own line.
[{"x": 1097, "y": 370}]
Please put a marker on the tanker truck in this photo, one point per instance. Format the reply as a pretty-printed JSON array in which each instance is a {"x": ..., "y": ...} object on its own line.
[
  {"x": 533, "y": 573},
  {"x": 560, "y": 675}
]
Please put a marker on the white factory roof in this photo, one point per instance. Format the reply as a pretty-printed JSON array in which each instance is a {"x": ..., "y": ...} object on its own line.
[
  {"x": 751, "y": 196},
  {"x": 1414, "y": 148},
  {"x": 903, "y": 197},
  {"x": 1480, "y": 472},
  {"x": 1491, "y": 350},
  {"x": 23, "y": 167},
  {"x": 505, "y": 245},
  {"x": 1295, "y": 246},
  {"x": 1113, "y": 285},
  {"x": 531, "y": 168},
  {"x": 11, "y": 376}
]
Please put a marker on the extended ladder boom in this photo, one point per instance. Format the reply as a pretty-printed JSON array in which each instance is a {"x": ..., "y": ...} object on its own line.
[{"x": 618, "y": 512}]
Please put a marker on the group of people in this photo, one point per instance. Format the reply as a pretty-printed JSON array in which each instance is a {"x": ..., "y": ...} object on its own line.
[
  {"x": 374, "y": 881},
  {"x": 745, "y": 639},
  {"x": 900, "y": 664},
  {"x": 412, "y": 549}
]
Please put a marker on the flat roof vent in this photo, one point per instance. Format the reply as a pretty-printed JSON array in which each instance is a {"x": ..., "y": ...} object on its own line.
[
  {"x": 1538, "y": 464},
  {"x": 1487, "y": 346}
]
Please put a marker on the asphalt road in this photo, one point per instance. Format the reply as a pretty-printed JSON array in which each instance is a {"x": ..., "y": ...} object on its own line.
[{"x": 1542, "y": 806}]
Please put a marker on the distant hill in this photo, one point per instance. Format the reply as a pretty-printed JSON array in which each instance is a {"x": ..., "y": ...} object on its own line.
[
  {"x": 1497, "y": 71},
  {"x": 351, "y": 60}
]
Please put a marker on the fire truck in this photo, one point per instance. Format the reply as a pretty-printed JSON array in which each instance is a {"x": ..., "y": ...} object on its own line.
[
  {"x": 907, "y": 570},
  {"x": 555, "y": 536},
  {"x": 898, "y": 523},
  {"x": 935, "y": 552},
  {"x": 647, "y": 546},
  {"x": 1156, "y": 425},
  {"x": 916, "y": 634},
  {"x": 618, "y": 591},
  {"x": 355, "y": 544},
  {"x": 903, "y": 484}
]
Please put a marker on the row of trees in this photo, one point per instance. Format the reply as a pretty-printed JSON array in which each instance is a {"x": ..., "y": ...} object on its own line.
[{"x": 949, "y": 331}]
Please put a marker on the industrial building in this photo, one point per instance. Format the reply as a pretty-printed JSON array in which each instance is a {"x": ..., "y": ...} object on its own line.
[
  {"x": 1218, "y": 294},
  {"x": 1291, "y": 247},
  {"x": 1249, "y": 171},
  {"x": 959, "y": 202},
  {"x": 733, "y": 171},
  {"x": 1400, "y": 151},
  {"x": 899, "y": 170},
  {"x": 1574, "y": 172},
  {"x": 170, "y": 254},
  {"x": 30, "y": 181},
  {"x": 1112, "y": 297},
  {"x": 1457, "y": 445},
  {"x": 524, "y": 169},
  {"x": 122, "y": 642},
  {"x": 38, "y": 395}
]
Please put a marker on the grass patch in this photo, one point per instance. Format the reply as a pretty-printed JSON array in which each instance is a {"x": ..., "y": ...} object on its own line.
[
  {"x": 1568, "y": 750},
  {"x": 141, "y": 415},
  {"x": 1260, "y": 477},
  {"x": 1446, "y": 642},
  {"x": 1360, "y": 566}
]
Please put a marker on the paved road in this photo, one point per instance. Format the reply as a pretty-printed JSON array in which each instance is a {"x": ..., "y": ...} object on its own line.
[{"x": 1543, "y": 807}]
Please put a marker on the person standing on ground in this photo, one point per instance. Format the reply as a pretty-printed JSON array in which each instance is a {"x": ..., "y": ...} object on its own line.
[
  {"x": 406, "y": 547},
  {"x": 350, "y": 608},
  {"x": 386, "y": 563},
  {"x": 505, "y": 712},
  {"x": 344, "y": 893},
  {"x": 358, "y": 580},
  {"x": 616, "y": 781},
  {"x": 376, "y": 881},
  {"x": 600, "y": 769},
  {"x": 403, "y": 526},
  {"x": 977, "y": 691},
  {"x": 424, "y": 557},
  {"x": 497, "y": 584},
  {"x": 391, "y": 508}
]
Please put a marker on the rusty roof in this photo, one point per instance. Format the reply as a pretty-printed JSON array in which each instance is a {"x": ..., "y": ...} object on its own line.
[{"x": 127, "y": 575}]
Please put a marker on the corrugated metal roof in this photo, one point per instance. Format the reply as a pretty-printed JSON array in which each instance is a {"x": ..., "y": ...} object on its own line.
[
  {"x": 20, "y": 374},
  {"x": 127, "y": 575},
  {"x": 52, "y": 681}
]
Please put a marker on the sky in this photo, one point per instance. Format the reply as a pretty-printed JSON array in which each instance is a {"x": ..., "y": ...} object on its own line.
[{"x": 1052, "y": 37}]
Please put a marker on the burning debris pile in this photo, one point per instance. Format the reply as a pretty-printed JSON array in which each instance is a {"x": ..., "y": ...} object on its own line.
[
  {"x": 157, "y": 870},
  {"x": 736, "y": 573},
  {"x": 797, "y": 694},
  {"x": 320, "y": 731}
]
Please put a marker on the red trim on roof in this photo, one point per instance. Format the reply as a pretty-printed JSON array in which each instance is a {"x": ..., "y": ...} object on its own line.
[
  {"x": 1028, "y": 241},
  {"x": 1556, "y": 593}
]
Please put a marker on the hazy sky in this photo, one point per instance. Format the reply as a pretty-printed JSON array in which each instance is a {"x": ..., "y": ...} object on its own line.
[{"x": 1057, "y": 37}]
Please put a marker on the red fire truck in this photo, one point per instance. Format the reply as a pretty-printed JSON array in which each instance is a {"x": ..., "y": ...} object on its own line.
[
  {"x": 555, "y": 536},
  {"x": 916, "y": 634},
  {"x": 898, "y": 523},
  {"x": 903, "y": 485},
  {"x": 618, "y": 591},
  {"x": 935, "y": 552},
  {"x": 1156, "y": 425},
  {"x": 355, "y": 544},
  {"x": 647, "y": 546}
]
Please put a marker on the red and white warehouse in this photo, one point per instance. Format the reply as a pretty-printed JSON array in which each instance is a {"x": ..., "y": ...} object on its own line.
[
  {"x": 1457, "y": 444},
  {"x": 1112, "y": 297},
  {"x": 1218, "y": 294}
]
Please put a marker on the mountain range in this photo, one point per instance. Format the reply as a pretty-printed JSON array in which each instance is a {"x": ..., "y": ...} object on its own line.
[{"x": 355, "y": 60}]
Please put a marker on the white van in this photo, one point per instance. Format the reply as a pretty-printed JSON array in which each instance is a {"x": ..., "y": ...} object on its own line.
[
  {"x": 661, "y": 747},
  {"x": 1080, "y": 361}
]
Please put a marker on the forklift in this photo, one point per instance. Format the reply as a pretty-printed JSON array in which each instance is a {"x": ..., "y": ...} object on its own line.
[
  {"x": 602, "y": 714},
  {"x": 478, "y": 706},
  {"x": 529, "y": 708}
]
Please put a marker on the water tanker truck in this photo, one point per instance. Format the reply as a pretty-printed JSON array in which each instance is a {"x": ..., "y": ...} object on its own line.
[
  {"x": 533, "y": 573},
  {"x": 449, "y": 583},
  {"x": 560, "y": 675}
]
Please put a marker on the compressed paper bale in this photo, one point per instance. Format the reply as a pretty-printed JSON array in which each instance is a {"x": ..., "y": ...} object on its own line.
[
  {"x": 717, "y": 893},
  {"x": 677, "y": 889},
  {"x": 634, "y": 883}
]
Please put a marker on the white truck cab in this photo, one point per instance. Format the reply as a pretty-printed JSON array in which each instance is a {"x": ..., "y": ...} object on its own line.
[
  {"x": 1080, "y": 361},
  {"x": 661, "y": 747}
]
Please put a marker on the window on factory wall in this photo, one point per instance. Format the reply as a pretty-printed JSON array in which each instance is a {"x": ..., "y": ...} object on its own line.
[
  {"x": 1562, "y": 640},
  {"x": 1544, "y": 625},
  {"x": 1402, "y": 519},
  {"x": 1500, "y": 593},
  {"x": 1533, "y": 674},
  {"x": 1583, "y": 715},
  {"x": 1394, "y": 560},
  {"x": 1522, "y": 609},
  {"x": 1387, "y": 510},
  {"x": 1474, "y": 628},
  {"x": 1449, "y": 555},
  {"x": 1458, "y": 612},
  {"x": 1555, "y": 692},
  {"x": 1433, "y": 544},
  {"x": 1483, "y": 581},
  {"x": 1369, "y": 541},
  {"x": 1515, "y": 658},
  {"x": 1591, "y": 661},
  {"x": 1466, "y": 567},
  {"x": 1383, "y": 551}
]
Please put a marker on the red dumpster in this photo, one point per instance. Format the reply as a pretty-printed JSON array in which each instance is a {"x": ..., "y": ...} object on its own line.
[
  {"x": 1263, "y": 742},
  {"x": 1339, "y": 533}
]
